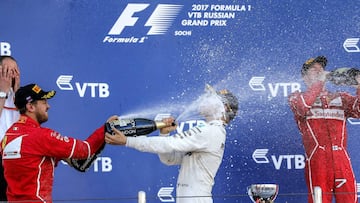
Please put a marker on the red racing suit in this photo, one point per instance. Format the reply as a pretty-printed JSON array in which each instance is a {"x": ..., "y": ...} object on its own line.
[
  {"x": 321, "y": 118},
  {"x": 30, "y": 153}
]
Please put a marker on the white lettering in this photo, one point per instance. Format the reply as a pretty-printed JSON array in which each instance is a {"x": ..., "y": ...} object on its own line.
[
  {"x": 194, "y": 14},
  {"x": 288, "y": 160},
  {"x": 180, "y": 127},
  {"x": 286, "y": 87},
  {"x": 295, "y": 87},
  {"x": 216, "y": 7},
  {"x": 123, "y": 39},
  {"x": 92, "y": 88},
  {"x": 81, "y": 89},
  {"x": 220, "y": 15},
  {"x": 190, "y": 123},
  {"x": 277, "y": 163},
  {"x": 273, "y": 90},
  {"x": 341, "y": 182},
  {"x": 327, "y": 113},
  {"x": 182, "y": 33},
  {"x": 194, "y": 22},
  {"x": 299, "y": 161},
  {"x": 106, "y": 165},
  {"x": 103, "y": 90},
  {"x": 218, "y": 23},
  {"x": 129, "y": 131},
  {"x": 5, "y": 49}
]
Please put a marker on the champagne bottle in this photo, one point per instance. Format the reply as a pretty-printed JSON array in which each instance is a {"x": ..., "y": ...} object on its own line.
[
  {"x": 344, "y": 76},
  {"x": 135, "y": 126}
]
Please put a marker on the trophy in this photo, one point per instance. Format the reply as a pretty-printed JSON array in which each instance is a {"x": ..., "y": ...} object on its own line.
[{"x": 263, "y": 193}]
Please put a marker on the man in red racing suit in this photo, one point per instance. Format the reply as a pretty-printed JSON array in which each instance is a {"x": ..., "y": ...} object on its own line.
[
  {"x": 31, "y": 152},
  {"x": 321, "y": 117}
]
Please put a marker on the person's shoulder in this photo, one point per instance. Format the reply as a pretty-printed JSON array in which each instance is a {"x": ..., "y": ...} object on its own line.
[
  {"x": 343, "y": 94},
  {"x": 294, "y": 95},
  {"x": 214, "y": 127},
  {"x": 209, "y": 125},
  {"x": 47, "y": 132}
]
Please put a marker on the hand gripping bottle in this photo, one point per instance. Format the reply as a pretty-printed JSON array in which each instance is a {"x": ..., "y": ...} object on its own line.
[
  {"x": 135, "y": 126},
  {"x": 344, "y": 76}
]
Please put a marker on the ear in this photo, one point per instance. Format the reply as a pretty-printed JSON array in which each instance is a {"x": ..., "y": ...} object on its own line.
[{"x": 30, "y": 107}]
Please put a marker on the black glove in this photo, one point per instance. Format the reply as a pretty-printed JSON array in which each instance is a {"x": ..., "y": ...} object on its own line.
[
  {"x": 83, "y": 165},
  {"x": 344, "y": 76}
]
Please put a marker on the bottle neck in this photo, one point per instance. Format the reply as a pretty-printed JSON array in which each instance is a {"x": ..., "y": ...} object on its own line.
[{"x": 160, "y": 124}]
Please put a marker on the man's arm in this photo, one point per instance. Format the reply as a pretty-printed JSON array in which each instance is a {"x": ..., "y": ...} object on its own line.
[
  {"x": 194, "y": 139},
  {"x": 172, "y": 158},
  {"x": 84, "y": 164},
  {"x": 5, "y": 84},
  {"x": 300, "y": 103},
  {"x": 352, "y": 103}
]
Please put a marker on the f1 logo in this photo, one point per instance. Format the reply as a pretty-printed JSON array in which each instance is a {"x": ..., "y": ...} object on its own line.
[{"x": 159, "y": 21}]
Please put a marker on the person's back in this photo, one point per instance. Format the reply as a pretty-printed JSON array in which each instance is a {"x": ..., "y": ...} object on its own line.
[
  {"x": 202, "y": 164},
  {"x": 24, "y": 159}
]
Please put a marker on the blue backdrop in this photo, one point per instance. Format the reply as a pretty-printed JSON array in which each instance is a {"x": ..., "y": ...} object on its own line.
[{"x": 143, "y": 58}]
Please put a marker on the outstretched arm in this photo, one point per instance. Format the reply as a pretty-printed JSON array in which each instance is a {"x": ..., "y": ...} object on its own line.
[{"x": 300, "y": 103}]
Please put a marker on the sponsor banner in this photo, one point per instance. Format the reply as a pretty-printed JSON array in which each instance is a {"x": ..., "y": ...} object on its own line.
[{"x": 152, "y": 59}]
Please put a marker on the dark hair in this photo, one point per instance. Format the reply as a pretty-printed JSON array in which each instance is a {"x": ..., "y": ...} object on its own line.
[
  {"x": 231, "y": 103},
  {"x": 308, "y": 63},
  {"x": 22, "y": 110},
  {"x": 2, "y": 57}
]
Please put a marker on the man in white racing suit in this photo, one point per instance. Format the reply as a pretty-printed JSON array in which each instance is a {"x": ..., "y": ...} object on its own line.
[{"x": 199, "y": 150}]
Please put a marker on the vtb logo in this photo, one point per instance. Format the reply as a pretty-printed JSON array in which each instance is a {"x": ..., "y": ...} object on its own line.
[
  {"x": 257, "y": 84},
  {"x": 96, "y": 89},
  {"x": 159, "y": 21},
  {"x": 296, "y": 161}
]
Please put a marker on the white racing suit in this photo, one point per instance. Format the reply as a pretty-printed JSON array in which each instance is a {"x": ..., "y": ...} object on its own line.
[{"x": 199, "y": 151}]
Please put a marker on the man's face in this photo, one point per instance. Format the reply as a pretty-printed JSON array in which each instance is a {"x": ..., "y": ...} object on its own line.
[
  {"x": 313, "y": 73},
  {"x": 41, "y": 110},
  {"x": 211, "y": 106}
]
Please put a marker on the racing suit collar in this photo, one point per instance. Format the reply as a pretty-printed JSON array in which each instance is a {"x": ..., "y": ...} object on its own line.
[{"x": 28, "y": 120}]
